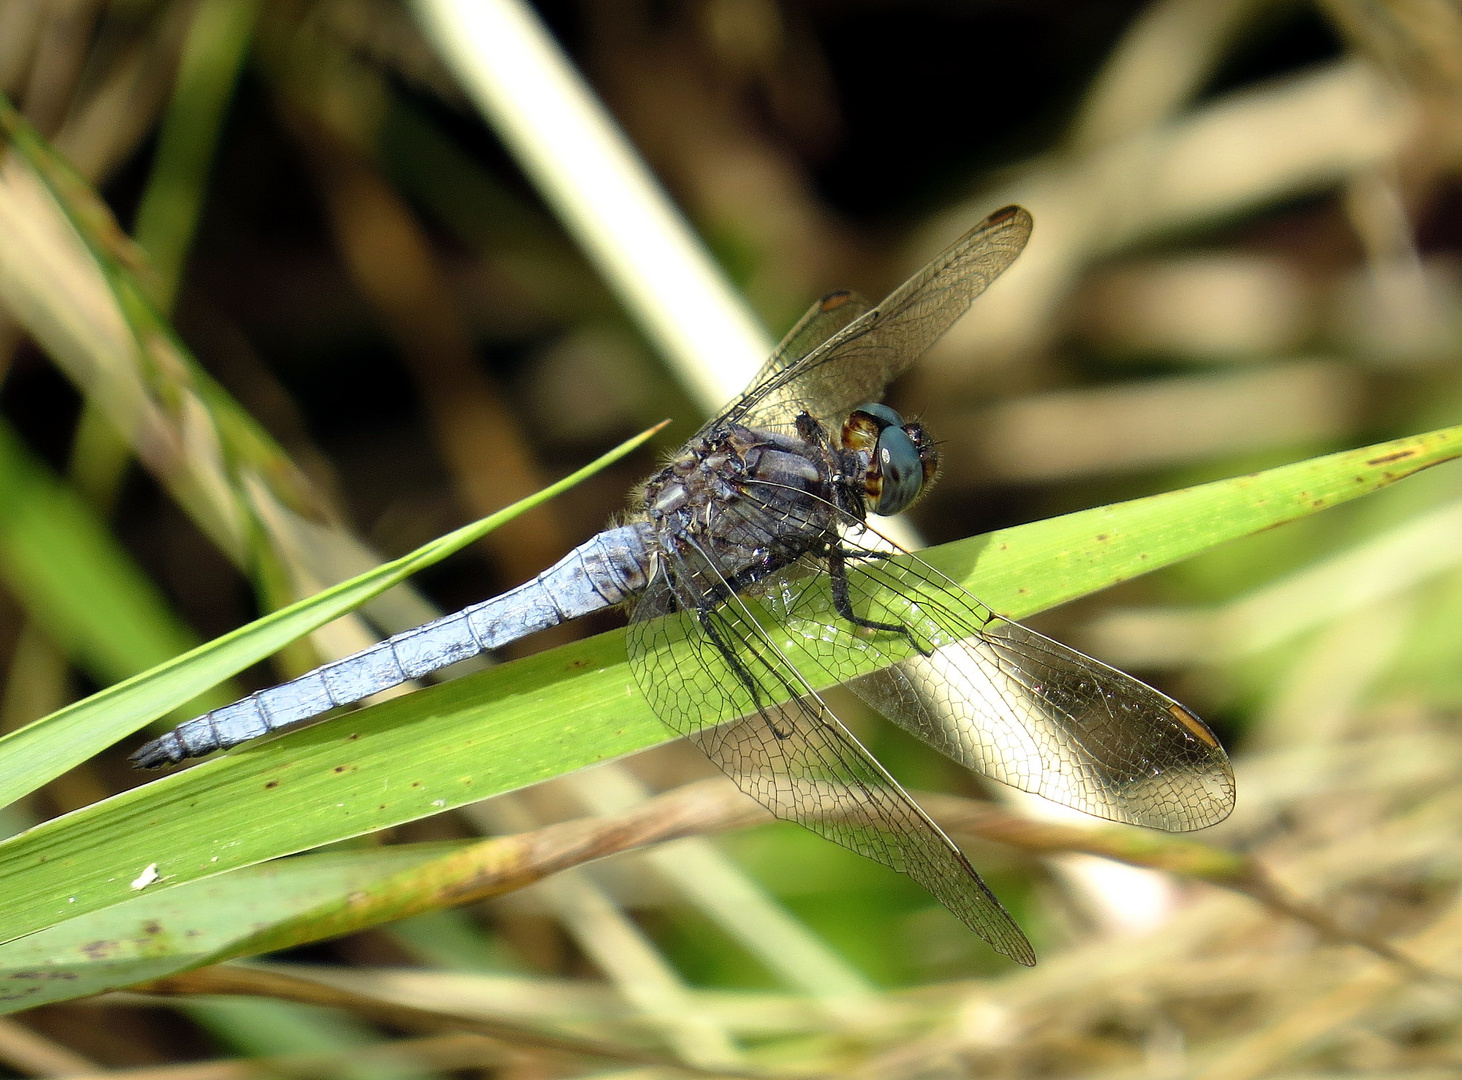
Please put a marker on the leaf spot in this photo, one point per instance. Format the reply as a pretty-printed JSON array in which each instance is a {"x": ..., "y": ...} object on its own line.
[{"x": 1399, "y": 455}]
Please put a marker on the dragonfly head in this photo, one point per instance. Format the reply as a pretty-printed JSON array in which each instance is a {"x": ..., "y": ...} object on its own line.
[{"x": 901, "y": 458}]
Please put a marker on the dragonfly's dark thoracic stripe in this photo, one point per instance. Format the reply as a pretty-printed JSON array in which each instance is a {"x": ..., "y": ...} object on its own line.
[{"x": 755, "y": 586}]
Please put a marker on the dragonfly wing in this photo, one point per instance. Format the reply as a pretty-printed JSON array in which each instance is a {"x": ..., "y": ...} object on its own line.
[
  {"x": 822, "y": 320},
  {"x": 714, "y": 675},
  {"x": 856, "y": 363},
  {"x": 1012, "y": 704}
]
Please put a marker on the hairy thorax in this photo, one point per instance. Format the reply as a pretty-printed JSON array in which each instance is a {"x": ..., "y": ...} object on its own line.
[{"x": 749, "y": 501}]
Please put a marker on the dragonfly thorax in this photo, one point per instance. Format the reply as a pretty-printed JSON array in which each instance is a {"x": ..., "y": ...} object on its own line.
[{"x": 752, "y": 501}]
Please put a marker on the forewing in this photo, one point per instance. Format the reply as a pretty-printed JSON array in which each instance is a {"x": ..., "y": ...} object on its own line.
[
  {"x": 822, "y": 320},
  {"x": 1014, "y": 705},
  {"x": 860, "y": 360},
  {"x": 717, "y": 678}
]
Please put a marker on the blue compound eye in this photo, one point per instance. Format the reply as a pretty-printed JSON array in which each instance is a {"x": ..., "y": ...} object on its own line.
[
  {"x": 901, "y": 459},
  {"x": 902, "y": 468},
  {"x": 881, "y": 413}
]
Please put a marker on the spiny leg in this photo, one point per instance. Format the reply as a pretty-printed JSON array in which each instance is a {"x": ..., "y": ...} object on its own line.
[
  {"x": 837, "y": 564},
  {"x": 706, "y": 617}
]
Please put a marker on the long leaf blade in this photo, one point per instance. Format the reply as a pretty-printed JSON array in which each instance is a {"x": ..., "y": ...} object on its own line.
[
  {"x": 45, "y": 749},
  {"x": 569, "y": 707}
]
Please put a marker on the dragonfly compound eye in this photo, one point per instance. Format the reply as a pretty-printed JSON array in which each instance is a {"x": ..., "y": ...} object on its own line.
[
  {"x": 901, "y": 457},
  {"x": 898, "y": 462}
]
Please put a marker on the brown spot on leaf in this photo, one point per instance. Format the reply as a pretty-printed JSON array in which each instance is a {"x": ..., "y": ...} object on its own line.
[{"x": 1399, "y": 455}]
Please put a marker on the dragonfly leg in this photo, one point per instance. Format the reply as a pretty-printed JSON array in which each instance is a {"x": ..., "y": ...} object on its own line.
[
  {"x": 706, "y": 617},
  {"x": 864, "y": 553},
  {"x": 837, "y": 563}
]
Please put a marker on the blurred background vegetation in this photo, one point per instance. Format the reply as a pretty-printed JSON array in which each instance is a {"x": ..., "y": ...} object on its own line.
[{"x": 1248, "y": 251}]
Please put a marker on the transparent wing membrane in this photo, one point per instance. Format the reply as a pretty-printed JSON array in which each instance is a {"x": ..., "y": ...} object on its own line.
[
  {"x": 713, "y": 674},
  {"x": 1006, "y": 701},
  {"x": 855, "y": 363}
]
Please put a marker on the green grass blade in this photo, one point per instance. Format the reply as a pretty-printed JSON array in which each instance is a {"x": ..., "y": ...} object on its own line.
[
  {"x": 171, "y": 204},
  {"x": 569, "y": 707},
  {"x": 156, "y": 934},
  {"x": 72, "y": 576},
  {"x": 45, "y": 749}
]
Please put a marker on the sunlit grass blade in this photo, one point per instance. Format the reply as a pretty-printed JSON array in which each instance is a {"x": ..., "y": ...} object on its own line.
[
  {"x": 85, "y": 293},
  {"x": 73, "y": 577},
  {"x": 285, "y": 983},
  {"x": 158, "y": 933},
  {"x": 293, "y": 902},
  {"x": 1062, "y": 558},
  {"x": 37, "y": 753},
  {"x": 561, "y": 710},
  {"x": 168, "y": 212}
]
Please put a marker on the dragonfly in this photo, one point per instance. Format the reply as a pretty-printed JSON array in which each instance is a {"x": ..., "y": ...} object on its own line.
[{"x": 754, "y": 579}]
